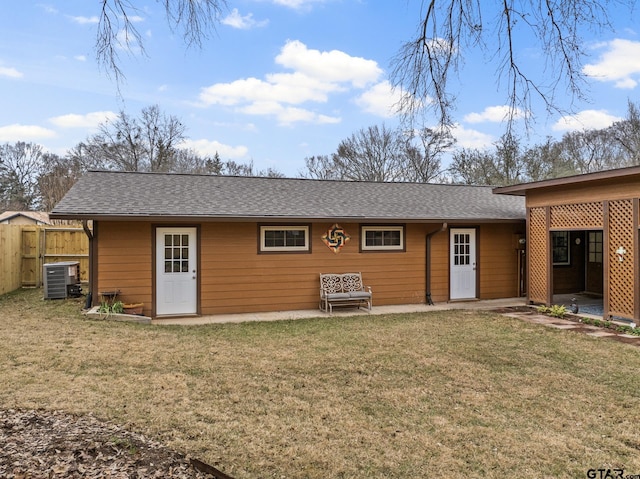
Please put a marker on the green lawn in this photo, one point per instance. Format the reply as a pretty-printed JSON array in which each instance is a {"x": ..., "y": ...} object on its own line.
[{"x": 442, "y": 394}]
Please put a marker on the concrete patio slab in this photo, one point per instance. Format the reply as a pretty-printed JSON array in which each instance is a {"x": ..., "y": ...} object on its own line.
[{"x": 338, "y": 313}]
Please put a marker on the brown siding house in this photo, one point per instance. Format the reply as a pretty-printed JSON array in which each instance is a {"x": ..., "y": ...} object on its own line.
[{"x": 197, "y": 244}]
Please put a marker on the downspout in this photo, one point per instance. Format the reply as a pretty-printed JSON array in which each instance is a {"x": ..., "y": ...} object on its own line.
[
  {"x": 89, "y": 233},
  {"x": 428, "y": 268}
]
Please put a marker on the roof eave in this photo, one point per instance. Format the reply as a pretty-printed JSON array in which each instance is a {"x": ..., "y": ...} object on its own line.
[
  {"x": 271, "y": 219},
  {"x": 522, "y": 188}
]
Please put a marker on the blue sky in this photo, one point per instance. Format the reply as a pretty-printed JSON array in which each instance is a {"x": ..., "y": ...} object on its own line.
[{"x": 278, "y": 81}]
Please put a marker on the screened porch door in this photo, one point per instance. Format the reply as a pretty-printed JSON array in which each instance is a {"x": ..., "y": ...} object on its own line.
[
  {"x": 462, "y": 263},
  {"x": 176, "y": 275}
]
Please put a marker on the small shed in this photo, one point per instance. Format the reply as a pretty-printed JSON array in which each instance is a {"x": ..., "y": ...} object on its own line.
[{"x": 24, "y": 218}]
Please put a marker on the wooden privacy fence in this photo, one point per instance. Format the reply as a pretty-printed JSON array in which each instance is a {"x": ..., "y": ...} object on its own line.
[{"x": 24, "y": 249}]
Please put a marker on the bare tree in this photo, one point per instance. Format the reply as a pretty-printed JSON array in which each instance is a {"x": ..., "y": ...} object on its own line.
[
  {"x": 592, "y": 150},
  {"x": 422, "y": 154},
  {"x": 116, "y": 28},
  {"x": 320, "y": 167},
  {"x": 270, "y": 173},
  {"x": 544, "y": 161},
  {"x": 20, "y": 165},
  {"x": 577, "y": 152},
  {"x": 627, "y": 133},
  {"x": 510, "y": 161},
  {"x": 473, "y": 167},
  {"x": 57, "y": 176},
  {"x": 505, "y": 166},
  {"x": 448, "y": 31},
  {"x": 147, "y": 143},
  {"x": 371, "y": 154},
  {"x": 232, "y": 168},
  {"x": 383, "y": 154},
  {"x": 85, "y": 157},
  {"x": 189, "y": 161}
]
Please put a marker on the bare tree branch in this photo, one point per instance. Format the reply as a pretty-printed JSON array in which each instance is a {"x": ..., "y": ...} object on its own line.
[
  {"x": 117, "y": 31},
  {"x": 449, "y": 31}
]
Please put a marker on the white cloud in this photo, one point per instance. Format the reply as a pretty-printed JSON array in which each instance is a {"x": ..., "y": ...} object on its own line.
[
  {"x": 285, "y": 88},
  {"x": 294, "y": 115},
  {"x": 296, "y": 4},
  {"x": 84, "y": 20},
  {"x": 493, "y": 114},
  {"x": 333, "y": 66},
  {"x": 299, "y": 87},
  {"x": 80, "y": 58},
  {"x": 326, "y": 119},
  {"x": 287, "y": 115},
  {"x": 89, "y": 120},
  {"x": 10, "y": 72},
  {"x": 316, "y": 75},
  {"x": 48, "y": 8},
  {"x": 620, "y": 63},
  {"x": 469, "y": 138},
  {"x": 246, "y": 22},
  {"x": 381, "y": 100},
  {"x": 17, "y": 132},
  {"x": 209, "y": 148},
  {"x": 586, "y": 120}
]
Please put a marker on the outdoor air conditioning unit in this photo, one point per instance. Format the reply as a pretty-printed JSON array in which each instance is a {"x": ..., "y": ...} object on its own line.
[{"x": 61, "y": 280}]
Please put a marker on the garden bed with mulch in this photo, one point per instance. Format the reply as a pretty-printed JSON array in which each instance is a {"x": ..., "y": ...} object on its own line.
[{"x": 53, "y": 444}]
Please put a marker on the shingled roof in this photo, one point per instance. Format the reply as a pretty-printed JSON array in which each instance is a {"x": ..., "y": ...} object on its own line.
[{"x": 126, "y": 195}]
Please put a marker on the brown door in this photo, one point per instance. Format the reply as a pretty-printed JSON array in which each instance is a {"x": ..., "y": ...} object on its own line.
[{"x": 594, "y": 274}]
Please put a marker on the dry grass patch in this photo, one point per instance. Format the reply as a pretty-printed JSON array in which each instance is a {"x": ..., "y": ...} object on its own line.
[{"x": 442, "y": 394}]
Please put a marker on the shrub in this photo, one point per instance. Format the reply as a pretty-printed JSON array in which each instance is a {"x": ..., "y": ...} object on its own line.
[
  {"x": 557, "y": 310},
  {"x": 117, "y": 307}
]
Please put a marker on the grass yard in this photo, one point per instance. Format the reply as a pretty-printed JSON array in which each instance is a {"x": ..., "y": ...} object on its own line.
[{"x": 443, "y": 394}]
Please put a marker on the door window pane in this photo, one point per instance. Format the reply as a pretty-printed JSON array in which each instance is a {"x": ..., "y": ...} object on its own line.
[
  {"x": 595, "y": 246},
  {"x": 176, "y": 253},
  {"x": 461, "y": 249}
]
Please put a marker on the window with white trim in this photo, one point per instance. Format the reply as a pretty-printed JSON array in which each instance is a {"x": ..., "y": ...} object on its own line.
[
  {"x": 382, "y": 238},
  {"x": 284, "y": 238}
]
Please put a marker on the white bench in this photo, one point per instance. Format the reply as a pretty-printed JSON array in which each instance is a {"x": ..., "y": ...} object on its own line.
[{"x": 344, "y": 289}]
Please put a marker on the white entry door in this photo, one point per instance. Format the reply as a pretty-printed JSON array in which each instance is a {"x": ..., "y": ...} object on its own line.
[
  {"x": 463, "y": 263},
  {"x": 176, "y": 275}
]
